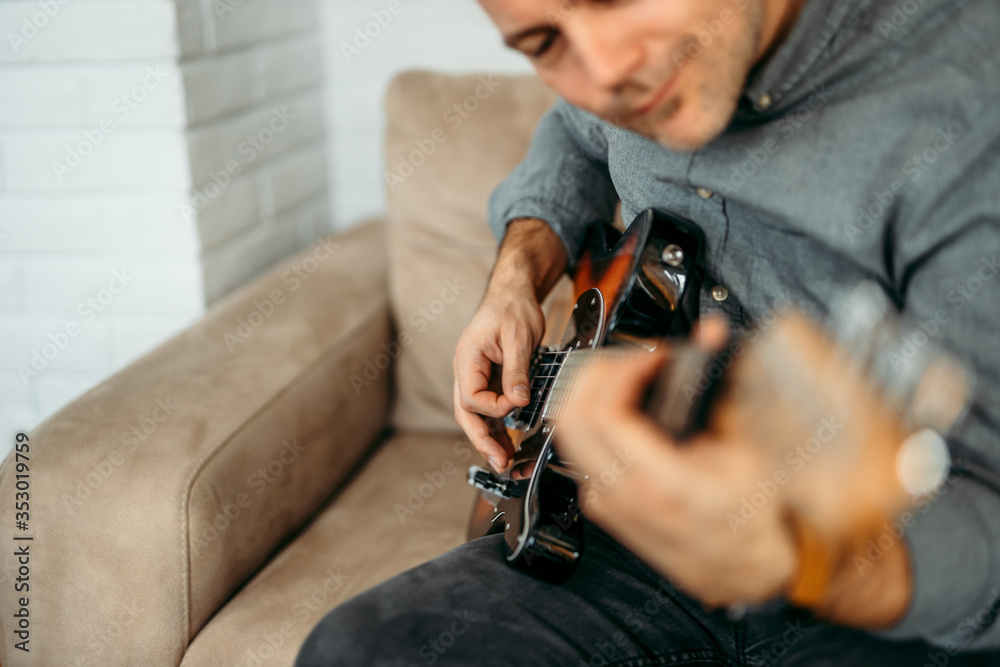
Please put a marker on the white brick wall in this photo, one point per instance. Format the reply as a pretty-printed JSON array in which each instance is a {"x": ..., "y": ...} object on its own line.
[
  {"x": 79, "y": 31},
  {"x": 445, "y": 35},
  {"x": 154, "y": 97},
  {"x": 222, "y": 67}
]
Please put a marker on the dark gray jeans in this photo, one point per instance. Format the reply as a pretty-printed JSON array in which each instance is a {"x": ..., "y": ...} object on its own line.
[{"x": 468, "y": 607}]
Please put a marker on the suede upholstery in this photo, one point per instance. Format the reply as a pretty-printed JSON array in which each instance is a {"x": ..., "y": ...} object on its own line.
[
  {"x": 152, "y": 532},
  {"x": 440, "y": 247},
  {"x": 209, "y": 503}
]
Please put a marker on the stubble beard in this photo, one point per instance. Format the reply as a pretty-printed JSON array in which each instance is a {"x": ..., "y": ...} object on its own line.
[{"x": 717, "y": 98}]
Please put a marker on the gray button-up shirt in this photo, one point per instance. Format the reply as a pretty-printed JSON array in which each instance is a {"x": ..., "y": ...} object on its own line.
[{"x": 868, "y": 147}]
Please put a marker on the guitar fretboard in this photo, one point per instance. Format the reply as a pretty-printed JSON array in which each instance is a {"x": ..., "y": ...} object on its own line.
[
  {"x": 545, "y": 370},
  {"x": 553, "y": 380}
]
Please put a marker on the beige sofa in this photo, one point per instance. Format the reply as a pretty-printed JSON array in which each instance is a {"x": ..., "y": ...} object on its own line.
[{"x": 209, "y": 503}]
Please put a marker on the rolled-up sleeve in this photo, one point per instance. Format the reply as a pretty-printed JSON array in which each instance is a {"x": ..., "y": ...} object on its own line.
[
  {"x": 946, "y": 249},
  {"x": 563, "y": 180}
]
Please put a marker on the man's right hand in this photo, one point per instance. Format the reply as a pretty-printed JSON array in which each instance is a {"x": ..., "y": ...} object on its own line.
[
  {"x": 505, "y": 332},
  {"x": 493, "y": 356}
]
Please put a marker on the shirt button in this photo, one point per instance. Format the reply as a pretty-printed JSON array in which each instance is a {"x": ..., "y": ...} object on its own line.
[
  {"x": 720, "y": 293},
  {"x": 705, "y": 193},
  {"x": 764, "y": 101}
]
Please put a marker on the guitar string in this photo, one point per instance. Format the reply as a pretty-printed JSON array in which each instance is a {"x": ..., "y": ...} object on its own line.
[
  {"x": 563, "y": 382},
  {"x": 553, "y": 359}
]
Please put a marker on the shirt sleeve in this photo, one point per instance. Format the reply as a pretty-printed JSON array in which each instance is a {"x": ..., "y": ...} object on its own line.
[
  {"x": 564, "y": 179},
  {"x": 945, "y": 249}
]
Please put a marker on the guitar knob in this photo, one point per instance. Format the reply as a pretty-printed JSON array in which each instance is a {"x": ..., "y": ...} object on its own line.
[
  {"x": 673, "y": 255},
  {"x": 490, "y": 482}
]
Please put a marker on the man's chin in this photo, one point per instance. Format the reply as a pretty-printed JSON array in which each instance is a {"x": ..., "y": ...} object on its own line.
[{"x": 684, "y": 127}]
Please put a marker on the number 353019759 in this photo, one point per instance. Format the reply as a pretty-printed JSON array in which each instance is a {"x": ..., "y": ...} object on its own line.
[{"x": 22, "y": 483}]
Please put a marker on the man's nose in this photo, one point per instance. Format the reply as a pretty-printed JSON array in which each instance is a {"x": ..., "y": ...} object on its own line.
[{"x": 607, "y": 56}]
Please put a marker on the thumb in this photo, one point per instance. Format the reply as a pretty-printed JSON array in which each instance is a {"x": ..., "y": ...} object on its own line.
[{"x": 517, "y": 351}]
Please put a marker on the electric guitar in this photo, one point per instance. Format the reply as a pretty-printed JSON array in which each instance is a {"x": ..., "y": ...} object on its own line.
[{"x": 643, "y": 292}]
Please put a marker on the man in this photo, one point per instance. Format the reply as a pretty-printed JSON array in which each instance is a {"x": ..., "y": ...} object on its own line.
[{"x": 816, "y": 144}]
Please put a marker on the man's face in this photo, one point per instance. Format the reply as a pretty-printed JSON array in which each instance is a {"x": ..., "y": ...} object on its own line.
[{"x": 671, "y": 70}]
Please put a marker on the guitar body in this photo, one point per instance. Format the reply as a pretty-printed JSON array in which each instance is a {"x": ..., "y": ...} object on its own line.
[{"x": 643, "y": 288}]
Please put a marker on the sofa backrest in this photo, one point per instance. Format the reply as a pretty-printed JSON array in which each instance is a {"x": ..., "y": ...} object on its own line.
[{"x": 449, "y": 141}]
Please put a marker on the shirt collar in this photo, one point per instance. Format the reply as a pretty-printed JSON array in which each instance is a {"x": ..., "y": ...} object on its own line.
[{"x": 816, "y": 25}]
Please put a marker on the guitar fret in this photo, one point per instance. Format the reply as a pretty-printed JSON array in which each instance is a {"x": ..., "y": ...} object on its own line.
[
  {"x": 546, "y": 369},
  {"x": 549, "y": 389}
]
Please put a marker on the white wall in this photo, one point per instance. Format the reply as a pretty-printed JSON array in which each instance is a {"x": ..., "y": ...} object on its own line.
[
  {"x": 221, "y": 68},
  {"x": 145, "y": 102},
  {"x": 63, "y": 73},
  {"x": 444, "y": 35}
]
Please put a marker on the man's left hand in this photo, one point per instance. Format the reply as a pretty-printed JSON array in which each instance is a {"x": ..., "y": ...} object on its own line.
[{"x": 668, "y": 502}]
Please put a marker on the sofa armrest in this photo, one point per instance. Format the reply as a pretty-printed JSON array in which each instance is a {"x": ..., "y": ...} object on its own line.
[{"x": 156, "y": 494}]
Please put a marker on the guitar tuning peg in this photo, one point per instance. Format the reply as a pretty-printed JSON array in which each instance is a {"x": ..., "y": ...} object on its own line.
[
  {"x": 860, "y": 320},
  {"x": 929, "y": 386}
]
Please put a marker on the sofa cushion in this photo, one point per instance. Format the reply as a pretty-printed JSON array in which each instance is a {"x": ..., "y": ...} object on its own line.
[
  {"x": 449, "y": 141},
  {"x": 408, "y": 504}
]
